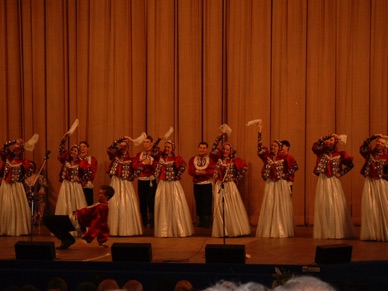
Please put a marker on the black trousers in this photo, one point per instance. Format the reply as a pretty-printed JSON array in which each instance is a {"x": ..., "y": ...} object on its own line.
[
  {"x": 60, "y": 226},
  {"x": 203, "y": 194},
  {"x": 147, "y": 200},
  {"x": 89, "y": 195}
]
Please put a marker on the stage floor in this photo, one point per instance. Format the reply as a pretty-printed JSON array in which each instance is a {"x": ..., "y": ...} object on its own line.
[{"x": 299, "y": 250}]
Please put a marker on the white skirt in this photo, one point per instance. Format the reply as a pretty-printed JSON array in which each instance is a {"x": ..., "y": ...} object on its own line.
[
  {"x": 276, "y": 215},
  {"x": 172, "y": 215},
  {"x": 374, "y": 210},
  {"x": 331, "y": 215},
  {"x": 124, "y": 216},
  {"x": 15, "y": 213},
  {"x": 236, "y": 217},
  {"x": 70, "y": 198}
]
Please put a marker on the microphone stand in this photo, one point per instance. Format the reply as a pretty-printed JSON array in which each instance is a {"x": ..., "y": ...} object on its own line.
[
  {"x": 222, "y": 190},
  {"x": 32, "y": 187}
]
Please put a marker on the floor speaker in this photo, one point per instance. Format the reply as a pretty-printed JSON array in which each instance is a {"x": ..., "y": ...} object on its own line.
[
  {"x": 131, "y": 252},
  {"x": 225, "y": 254},
  {"x": 333, "y": 254},
  {"x": 35, "y": 250}
]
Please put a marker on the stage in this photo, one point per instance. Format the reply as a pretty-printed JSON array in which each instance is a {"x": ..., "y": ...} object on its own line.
[{"x": 184, "y": 258}]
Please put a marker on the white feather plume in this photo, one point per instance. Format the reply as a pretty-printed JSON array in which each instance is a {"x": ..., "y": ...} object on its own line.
[
  {"x": 225, "y": 129},
  {"x": 30, "y": 144},
  {"x": 168, "y": 133},
  {"x": 73, "y": 127},
  {"x": 254, "y": 122},
  {"x": 139, "y": 140}
]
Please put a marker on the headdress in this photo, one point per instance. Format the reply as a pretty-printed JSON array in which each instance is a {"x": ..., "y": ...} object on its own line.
[
  {"x": 232, "y": 151},
  {"x": 172, "y": 144},
  {"x": 75, "y": 146},
  {"x": 127, "y": 141},
  {"x": 278, "y": 142}
]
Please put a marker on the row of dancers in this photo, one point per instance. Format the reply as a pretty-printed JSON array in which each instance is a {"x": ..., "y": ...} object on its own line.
[{"x": 161, "y": 201}]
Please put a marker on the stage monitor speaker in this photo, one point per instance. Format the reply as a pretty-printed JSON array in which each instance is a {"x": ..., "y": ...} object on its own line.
[
  {"x": 333, "y": 254},
  {"x": 35, "y": 250},
  {"x": 225, "y": 254},
  {"x": 131, "y": 252}
]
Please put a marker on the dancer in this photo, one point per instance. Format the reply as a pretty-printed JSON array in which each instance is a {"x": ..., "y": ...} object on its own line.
[
  {"x": 15, "y": 214},
  {"x": 331, "y": 215},
  {"x": 90, "y": 221},
  {"x": 145, "y": 163},
  {"x": 285, "y": 151},
  {"x": 74, "y": 173},
  {"x": 201, "y": 168},
  {"x": 276, "y": 214},
  {"x": 92, "y": 161},
  {"x": 227, "y": 200},
  {"x": 124, "y": 215},
  {"x": 172, "y": 215},
  {"x": 374, "y": 203}
]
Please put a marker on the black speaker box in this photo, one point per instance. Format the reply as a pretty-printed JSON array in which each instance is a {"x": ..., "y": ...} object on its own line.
[
  {"x": 35, "y": 250},
  {"x": 333, "y": 254},
  {"x": 225, "y": 254},
  {"x": 131, "y": 252}
]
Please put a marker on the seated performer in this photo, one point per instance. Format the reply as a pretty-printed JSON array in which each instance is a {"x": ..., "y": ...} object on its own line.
[
  {"x": 36, "y": 183},
  {"x": 94, "y": 217}
]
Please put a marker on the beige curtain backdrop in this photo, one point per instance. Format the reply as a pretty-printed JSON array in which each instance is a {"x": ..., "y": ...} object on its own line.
[{"x": 307, "y": 68}]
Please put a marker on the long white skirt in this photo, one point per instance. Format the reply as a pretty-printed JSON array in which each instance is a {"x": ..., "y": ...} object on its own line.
[
  {"x": 236, "y": 217},
  {"x": 374, "y": 210},
  {"x": 70, "y": 198},
  {"x": 276, "y": 215},
  {"x": 331, "y": 215},
  {"x": 15, "y": 214},
  {"x": 172, "y": 215},
  {"x": 124, "y": 216}
]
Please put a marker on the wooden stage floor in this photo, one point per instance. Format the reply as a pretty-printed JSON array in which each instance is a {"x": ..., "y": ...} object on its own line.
[{"x": 299, "y": 250}]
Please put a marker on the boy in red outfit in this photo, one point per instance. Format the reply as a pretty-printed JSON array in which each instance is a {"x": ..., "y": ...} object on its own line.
[{"x": 91, "y": 221}]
